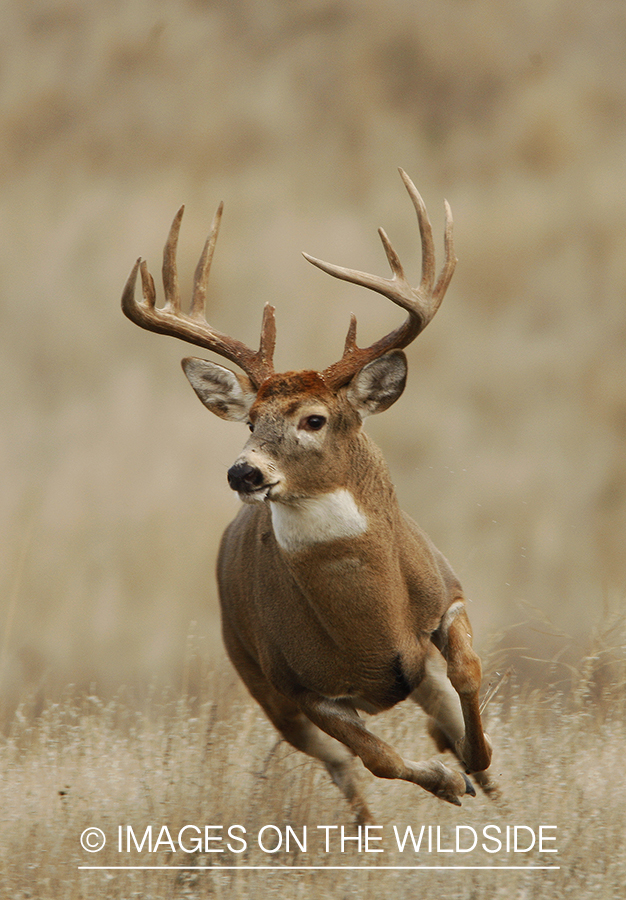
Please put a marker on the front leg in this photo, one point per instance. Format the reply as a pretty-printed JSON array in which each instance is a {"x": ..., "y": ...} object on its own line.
[{"x": 340, "y": 719}]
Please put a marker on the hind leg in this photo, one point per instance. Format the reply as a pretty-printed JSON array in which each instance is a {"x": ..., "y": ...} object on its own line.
[
  {"x": 299, "y": 731},
  {"x": 465, "y": 674},
  {"x": 440, "y": 701},
  {"x": 449, "y": 694}
]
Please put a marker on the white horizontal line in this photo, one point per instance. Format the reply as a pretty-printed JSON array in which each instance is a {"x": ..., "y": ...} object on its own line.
[{"x": 308, "y": 868}]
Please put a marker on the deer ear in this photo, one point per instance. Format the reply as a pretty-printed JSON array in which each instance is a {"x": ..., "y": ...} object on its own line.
[
  {"x": 225, "y": 393},
  {"x": 378, "y": 384}
]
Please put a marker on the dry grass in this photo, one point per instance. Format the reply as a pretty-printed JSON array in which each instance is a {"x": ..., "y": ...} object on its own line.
[{"x": 213, "y": 760}]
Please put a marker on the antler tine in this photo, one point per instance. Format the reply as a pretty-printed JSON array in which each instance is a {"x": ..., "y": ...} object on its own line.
[
  {"x": 445, "y": 276},
  {"x": 426, "y": 234},
  {"x": 169, "y": 270},
  {"x": 421, "y": 303},
  {"x": 193, "y": 326},
  {"x": 267, "y": 342},
  {"x": 201, "y": 277}
]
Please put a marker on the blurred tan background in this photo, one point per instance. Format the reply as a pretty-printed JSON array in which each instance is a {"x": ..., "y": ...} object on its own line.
[{"x": 508, "y": 445}]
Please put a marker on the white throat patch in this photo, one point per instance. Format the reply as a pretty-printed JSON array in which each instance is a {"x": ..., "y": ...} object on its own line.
[{"x": 315, "y": 520}]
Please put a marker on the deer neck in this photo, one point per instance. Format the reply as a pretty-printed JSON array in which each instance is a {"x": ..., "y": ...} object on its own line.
[{"x": 346, "y": 512}]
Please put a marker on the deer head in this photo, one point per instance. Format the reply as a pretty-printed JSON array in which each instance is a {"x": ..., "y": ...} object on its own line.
[{"x": 295, "y": 414}]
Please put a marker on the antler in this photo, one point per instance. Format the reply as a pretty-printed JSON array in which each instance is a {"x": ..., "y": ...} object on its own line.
[
  {"x": 421, "y": 303},
  {"x": 193, "y": 326}
]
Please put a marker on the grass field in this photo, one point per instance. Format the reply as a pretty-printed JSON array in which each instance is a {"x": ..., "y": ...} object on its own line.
[{"x": 213, "y": 760}]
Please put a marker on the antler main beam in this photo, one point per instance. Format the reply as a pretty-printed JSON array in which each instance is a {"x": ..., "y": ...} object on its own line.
[
  {"x": 193, "y": 326},
  {"x": 421, "y": 303}
]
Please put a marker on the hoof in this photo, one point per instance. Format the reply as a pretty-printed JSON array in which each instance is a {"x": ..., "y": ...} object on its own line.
[
  {"x": 488, "y": 786},
  {"x": 451, "y": 786},
  {"x": 469, "y": 787}
]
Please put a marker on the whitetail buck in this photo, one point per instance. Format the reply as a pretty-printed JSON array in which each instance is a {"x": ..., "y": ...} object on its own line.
[{"x": 333, "y": 600}]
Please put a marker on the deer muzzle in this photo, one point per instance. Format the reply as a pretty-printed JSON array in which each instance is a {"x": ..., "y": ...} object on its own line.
[{"x": 246, "y": 479}]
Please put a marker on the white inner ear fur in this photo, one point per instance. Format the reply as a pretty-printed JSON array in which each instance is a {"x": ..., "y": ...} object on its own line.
[
  {"x": 225, "y": 393},
  {"x": 378, "y": 384}
]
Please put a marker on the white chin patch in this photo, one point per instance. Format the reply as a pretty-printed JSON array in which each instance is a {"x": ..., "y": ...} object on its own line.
[
  {"x": 316, "y": 520},
  {"x": 254, "y": 496}
]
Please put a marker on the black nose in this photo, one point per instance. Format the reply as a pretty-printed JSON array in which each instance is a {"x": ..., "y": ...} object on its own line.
[{"x": 244, "y": 478}]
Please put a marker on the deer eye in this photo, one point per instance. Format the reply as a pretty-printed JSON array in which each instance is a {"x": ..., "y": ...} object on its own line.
[
  {"x": 250, "y": 426},
  {"x": 312, "y": 423}
]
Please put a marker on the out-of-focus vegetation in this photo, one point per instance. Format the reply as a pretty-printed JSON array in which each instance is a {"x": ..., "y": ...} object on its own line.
[{"x": 508, "y": 446}]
